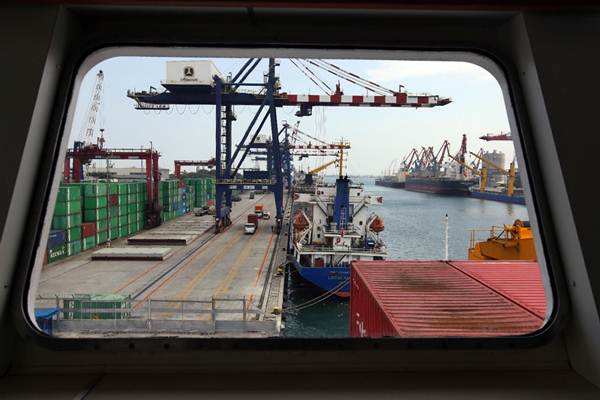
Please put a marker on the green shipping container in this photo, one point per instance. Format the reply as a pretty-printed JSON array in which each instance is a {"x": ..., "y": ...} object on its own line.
[
  {"x": 123, "y": 209},
  {"x": 101, "y": 237},
  {"x": 95, "y": 202},
  {"x": 97, "y": 306},
  {"x": 131, "y": 198},
  {"x": 123, "y": 230},
  {"x": 101, "y": 225},
  {"x": 74, "y": 234},
  {"x": 97, "y": 214},
  {"x": 88, "y": 243},
  {"x": 123, "y": 220},
  {"x": 94, "y": 189},
  {"x": 114, "y": 222},
  {"x": 114, "y": 233},
  {"x": 123, "y": 199},
  {"x": 132, "y": 208},
  {"x": 67, "y": 207},
  {"x": 131, "y": 228},
  {"x": 57, "y": 253},
  {"x": 69, "y": 193},
  {"x": 66, "y": 221},
  {"x": 74, "y": 247},
  {"x": 113, "y": 188},
  {"x": 123, "y": 188}
]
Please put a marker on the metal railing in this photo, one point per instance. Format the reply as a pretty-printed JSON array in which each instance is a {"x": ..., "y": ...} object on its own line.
[
  {"x": 217, "y": 315},
  {"x": 483, "y": 234}
]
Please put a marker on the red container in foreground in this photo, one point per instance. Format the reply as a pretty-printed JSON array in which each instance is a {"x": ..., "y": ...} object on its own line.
[
  {"x": 445, "y": 299},
  {"x": 88, "y": 229}
]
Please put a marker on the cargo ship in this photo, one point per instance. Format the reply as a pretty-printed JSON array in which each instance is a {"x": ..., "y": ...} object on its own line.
[
  {"x": 499, "y": 194},
  {"x": 332, "y": 227},
  {"x": 393, "y": 181},
  {"x": 429, "y": 173},
  {"x": 439, "y": 185}
]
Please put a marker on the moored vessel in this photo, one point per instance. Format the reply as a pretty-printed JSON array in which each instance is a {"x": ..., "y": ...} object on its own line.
[{"x": 331, "y": 228}]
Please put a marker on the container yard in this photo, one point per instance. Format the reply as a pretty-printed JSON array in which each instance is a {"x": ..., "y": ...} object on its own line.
[{"x": 214, "y": 285}]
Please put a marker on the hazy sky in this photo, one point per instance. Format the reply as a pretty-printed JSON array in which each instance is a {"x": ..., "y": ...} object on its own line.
[{"x": 378, "y": 136}]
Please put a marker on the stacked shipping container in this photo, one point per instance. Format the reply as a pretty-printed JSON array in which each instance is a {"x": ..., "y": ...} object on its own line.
[
  {"x": 66, "y": 219},
  {"x": 88, "y": 214}
]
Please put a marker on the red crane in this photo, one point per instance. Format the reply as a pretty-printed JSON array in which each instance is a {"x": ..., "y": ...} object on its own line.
[
  {"x": 82, "y": 154},
  {"x": 500, "y": 136},
  {"x": 199, "y": 163}
]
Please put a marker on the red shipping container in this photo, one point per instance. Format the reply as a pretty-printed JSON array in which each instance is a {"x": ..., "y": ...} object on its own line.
[
  {"x": 441, "y": 299},
  {"x": 88, "y": 229},
  {"x": 113, "y": 200}
]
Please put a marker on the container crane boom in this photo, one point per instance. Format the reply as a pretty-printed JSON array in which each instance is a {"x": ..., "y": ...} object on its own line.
[{"x": 90, "y": 119}]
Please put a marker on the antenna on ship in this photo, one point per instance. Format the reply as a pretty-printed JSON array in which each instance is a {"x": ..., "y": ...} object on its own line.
[{"x": 446, "y": 238}]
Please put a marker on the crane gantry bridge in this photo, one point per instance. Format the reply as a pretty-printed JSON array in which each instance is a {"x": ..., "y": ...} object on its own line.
[{"x": 224, "y": 93}]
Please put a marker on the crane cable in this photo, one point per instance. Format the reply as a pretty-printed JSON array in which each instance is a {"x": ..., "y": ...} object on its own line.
[
  {"x": 315, "y": 75},
  {"x": 352, "y": 78},
  {"x": 309, "y": 77}
]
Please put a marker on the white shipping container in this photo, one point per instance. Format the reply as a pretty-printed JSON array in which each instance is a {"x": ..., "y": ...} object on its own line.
[{"x": 191, "y": 72}]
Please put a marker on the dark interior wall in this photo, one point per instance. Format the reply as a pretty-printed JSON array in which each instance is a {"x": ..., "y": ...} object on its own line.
[{"x": 552, "y": 61}]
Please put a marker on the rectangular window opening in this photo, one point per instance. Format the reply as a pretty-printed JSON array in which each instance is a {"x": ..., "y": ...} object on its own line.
[{"x": 313, "y": 195}]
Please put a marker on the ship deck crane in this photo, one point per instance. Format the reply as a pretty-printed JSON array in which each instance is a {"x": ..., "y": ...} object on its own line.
[
  {"x": 225, "y": 93},
  {"x": 482, "y": 173},
  {"x": 510, "y": 173}
]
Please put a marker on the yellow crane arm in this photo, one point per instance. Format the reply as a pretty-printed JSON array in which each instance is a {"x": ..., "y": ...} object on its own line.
[
  {"x": 483, "y": 174},
  {"x": 322, "y": 167},
  {"x": 491, "y": 164},
  {"x": 511, "y": 173}
]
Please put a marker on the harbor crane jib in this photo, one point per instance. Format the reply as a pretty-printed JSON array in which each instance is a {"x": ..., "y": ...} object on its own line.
[{"x": 199, "y": 82}]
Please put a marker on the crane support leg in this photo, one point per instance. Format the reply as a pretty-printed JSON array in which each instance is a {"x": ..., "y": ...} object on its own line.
[{"x": 277, "y": 170}]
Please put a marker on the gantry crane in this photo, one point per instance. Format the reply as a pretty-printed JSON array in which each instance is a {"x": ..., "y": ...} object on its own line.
[
  {"x": 82, "y": 154},
  {"x": 510, "y": 173},
  {"x": 183, "y": 163},
  {"x": 224, "y": 93}
]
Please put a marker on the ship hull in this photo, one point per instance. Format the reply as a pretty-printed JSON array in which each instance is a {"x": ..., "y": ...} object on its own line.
[
  {"x": 501, "y": 197},
  {"x": 439, "y": 186},
  {"x": 327, "y": 278},
  {"x": 391, "y": 184}
]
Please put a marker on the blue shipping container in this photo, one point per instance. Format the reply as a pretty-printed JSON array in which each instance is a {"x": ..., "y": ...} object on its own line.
[{"x": 56, "y": 238}]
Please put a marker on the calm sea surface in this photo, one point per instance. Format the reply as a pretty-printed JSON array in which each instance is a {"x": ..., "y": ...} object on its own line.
[{"x": 414, "y": 229}]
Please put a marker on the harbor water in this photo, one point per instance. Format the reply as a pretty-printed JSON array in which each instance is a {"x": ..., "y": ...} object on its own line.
[{"x": 414, "y": 229}]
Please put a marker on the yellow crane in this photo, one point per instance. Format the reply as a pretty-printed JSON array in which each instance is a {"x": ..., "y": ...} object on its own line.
[
  {"x": 321, "y": 167},
  {"x": 510, "y": 173},
  {"x": 483, "y": 173}
]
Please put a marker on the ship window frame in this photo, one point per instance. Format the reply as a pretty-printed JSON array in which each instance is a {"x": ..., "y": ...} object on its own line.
[{"x": 71, "y": 78}]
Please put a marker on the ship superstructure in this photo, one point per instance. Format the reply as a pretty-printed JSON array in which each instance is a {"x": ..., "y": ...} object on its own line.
[{"x": 333, "y": 227}]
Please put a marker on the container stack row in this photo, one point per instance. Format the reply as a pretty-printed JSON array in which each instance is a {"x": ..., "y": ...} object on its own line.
[
  {"x": 204, "y": 189},
  {"x": 87, "y": 214},
  {"x": 169, "y": 199},
  {"x": 65, "y": 236}
]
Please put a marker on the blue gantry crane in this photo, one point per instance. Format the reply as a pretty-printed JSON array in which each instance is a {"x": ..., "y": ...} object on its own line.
[{"x": 198, "y": 82}]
